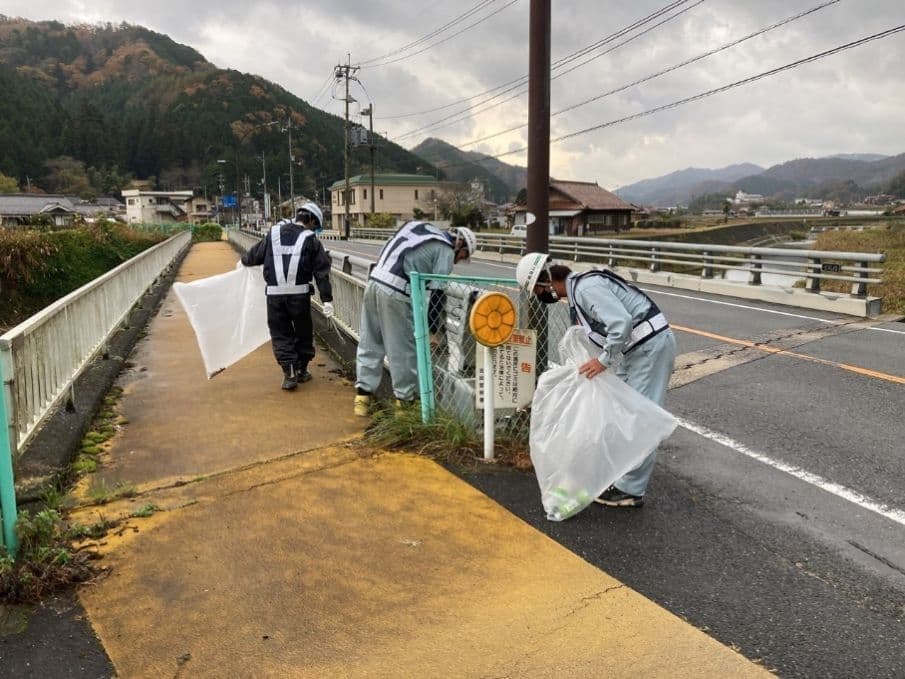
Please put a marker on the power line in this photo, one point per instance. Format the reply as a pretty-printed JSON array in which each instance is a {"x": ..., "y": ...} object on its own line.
[
  {"x": 446, "y": 39},
  {"x": 473, "y": 109},
  {"x": 702, "y": 95},
  {"x": 672, "y": 68},
  {"x": 458, "y": 19},
  {"x": 524, "y": 79},
  {"x": 322, "y": 90}
]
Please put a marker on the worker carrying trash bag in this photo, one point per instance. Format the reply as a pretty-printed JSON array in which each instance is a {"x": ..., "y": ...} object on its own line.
[
  {"x": 387, "y": 325},
  {"x": 294, "y": 260},
  {"x": 630, "y": 332}
]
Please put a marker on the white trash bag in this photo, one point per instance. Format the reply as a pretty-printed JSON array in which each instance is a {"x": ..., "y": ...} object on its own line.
[
  {"x": 228, "y": 313},
  {"x": 588, "y": 433}
]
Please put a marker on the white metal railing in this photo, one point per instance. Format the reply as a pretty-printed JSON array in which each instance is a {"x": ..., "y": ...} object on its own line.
[
  {"x": 42, "y": 356},
  {"x": 707, "y": 261}
]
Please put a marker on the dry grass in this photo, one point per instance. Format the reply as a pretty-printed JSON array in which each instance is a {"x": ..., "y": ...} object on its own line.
[{"x": 889, "y": 240}]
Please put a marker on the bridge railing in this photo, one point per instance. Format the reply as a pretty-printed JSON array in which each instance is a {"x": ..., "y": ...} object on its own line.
[
  {"x": 813, "y": 267},
  {"x": 41, "y": 357}
]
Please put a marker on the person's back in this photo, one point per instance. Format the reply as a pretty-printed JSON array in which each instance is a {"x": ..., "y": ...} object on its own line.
[{"x": 387, "y": 326}]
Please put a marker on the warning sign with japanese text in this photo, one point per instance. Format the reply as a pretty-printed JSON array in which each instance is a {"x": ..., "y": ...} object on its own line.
[{"x": 514, "y": 365}]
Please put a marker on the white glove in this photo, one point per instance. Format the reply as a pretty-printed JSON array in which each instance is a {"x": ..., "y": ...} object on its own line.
[{"x": 328, "y": 309}]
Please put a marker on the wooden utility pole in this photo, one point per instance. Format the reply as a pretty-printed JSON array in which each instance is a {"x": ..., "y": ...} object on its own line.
[{"x": 537, "y": 239}]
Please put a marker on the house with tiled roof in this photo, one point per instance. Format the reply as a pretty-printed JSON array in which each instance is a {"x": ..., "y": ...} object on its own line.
[{"x": 583, "y": 208}]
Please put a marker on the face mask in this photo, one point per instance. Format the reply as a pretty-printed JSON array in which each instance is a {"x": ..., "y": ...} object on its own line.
[{"x": 548, "y": 297}]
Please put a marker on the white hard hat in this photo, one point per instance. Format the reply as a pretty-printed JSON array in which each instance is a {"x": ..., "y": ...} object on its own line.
[
  {"x": 467, "y": 235},
  {"x": 529, "y": 269},
  {"x": 313, "y": 210}
]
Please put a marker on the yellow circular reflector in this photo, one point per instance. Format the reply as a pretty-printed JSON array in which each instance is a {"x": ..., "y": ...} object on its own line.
[{"x": 492, "y": 319}]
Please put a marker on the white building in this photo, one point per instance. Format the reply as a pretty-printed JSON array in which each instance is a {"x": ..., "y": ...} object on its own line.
[
  {"x": 154, "y": 207},
  {"x": 742, "y": 198}
]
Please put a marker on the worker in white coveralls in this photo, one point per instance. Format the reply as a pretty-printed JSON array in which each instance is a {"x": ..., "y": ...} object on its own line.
[
  {"x": 633, "y": 336},
  {"x": 294, "y": 260},
  {"x": 387, "y": 324}
]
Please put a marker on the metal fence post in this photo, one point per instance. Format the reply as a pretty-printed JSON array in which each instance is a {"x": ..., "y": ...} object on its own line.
[
  {"x": 859, "y": 287},
  {"x": 707, "y": 270},
  {"x": 422, "y": 348},
  {"x": 814, "y": 283},
  {"x": 7, "y": 482},
  {"x": 755, "y": 272},
  {"x": 654, "y": 260}
]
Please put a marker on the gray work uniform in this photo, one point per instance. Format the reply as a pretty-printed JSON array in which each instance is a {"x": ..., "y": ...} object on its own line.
[
  {"x": 635, "y": 340},
  {"x": 387, "y": 325}
]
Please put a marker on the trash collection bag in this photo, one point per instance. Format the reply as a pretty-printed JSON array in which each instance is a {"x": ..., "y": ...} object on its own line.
[
  {"x": 587, "y": 433},
  {"x": 228, "y": 313}
]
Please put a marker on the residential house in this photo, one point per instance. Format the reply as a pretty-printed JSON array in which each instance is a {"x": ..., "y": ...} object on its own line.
[
  {"x": 583, "y": 208},
  {"x": 395, "y": 194},
  {"x": 155, "y": 207},
  {"x": 17, "y": 209}
]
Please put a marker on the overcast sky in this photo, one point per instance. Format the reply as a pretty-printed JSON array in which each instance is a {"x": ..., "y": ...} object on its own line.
[{"x": 846, "y": 103}]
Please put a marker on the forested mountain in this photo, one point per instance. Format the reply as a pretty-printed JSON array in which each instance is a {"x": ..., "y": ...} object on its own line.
[
  {"x": 502, "y": 181},
  {"x": 112, "y": 102}
]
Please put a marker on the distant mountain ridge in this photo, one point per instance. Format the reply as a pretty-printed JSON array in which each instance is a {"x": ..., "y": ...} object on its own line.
[
  {"x": 843, "y": 176},
  {"x": 672, "y": 188},
  {"x": 502, "y": 181}
]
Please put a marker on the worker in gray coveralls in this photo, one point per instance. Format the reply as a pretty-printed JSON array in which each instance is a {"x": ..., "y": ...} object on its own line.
[
  {"x": 632, "y": 333},
  {"x": 387, "y": 324}
]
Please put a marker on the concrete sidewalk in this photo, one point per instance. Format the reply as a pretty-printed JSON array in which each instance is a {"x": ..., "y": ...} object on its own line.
[{"x": 280, "y": 548}]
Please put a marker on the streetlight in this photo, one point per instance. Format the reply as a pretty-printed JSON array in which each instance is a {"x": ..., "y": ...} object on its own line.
[
  {"x": 220, "y": 162},
  {"x": 242, "y": 137}
]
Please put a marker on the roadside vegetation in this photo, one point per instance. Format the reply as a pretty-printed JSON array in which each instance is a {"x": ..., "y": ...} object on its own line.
[
  {"x": 446, "y": 439},
  {"x": 206, "y": 233},
  {"x": 889, "y": 240},
  {"x": 56, "y": 552},
  {"x": 37, "y": 267}
]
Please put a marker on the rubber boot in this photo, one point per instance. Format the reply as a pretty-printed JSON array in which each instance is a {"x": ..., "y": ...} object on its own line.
[
  {"x": 290, "y": 378},
  {"x": 362, "y": 405},
  {"x": 301, "y": 371}
]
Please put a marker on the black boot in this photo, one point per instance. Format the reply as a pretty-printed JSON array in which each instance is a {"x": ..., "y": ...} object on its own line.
[
  {"x": 290, "y": 377},
  {"x": 301, "y": 370}
]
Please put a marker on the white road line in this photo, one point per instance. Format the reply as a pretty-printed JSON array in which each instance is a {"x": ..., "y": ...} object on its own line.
[
  {"x": 852, "y": 496},
  {"x": 746, "y": 306}
]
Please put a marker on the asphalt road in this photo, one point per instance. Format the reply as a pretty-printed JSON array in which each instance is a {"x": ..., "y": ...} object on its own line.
[{"x": 775, "y": 520}]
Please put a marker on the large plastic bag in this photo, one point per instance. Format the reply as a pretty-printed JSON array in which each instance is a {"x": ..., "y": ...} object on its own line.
[
  {"x": 587, "y": 433},
  {"x": 228, "y": 313}
]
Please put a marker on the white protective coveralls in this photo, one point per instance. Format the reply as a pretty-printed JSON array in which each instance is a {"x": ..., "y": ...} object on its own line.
[
  {"x": 635, "y": 340},
  {"x": 387, "y": 326}
]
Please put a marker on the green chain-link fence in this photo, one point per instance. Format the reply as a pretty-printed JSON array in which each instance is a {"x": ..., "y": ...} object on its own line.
[{"x": 450, "y": 365}]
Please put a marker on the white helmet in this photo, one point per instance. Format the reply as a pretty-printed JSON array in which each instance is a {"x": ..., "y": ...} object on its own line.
[
  {"x": 467, "y": 235},
  {"x": 529, "y": 269},
  {"x": 313, "y": 210}
]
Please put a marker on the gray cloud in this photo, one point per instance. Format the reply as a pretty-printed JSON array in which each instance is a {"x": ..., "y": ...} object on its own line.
[{"x": 848, "y": 102}]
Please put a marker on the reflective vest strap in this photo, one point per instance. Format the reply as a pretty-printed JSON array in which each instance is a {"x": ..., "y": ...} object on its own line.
[
  {"x": 654, "y": 321},
  {"x": 390, "y": 267},
  {"x": 286, "y": 280}
]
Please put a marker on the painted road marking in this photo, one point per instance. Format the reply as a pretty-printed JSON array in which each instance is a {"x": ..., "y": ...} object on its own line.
[
  {"x": 836, "y": 489},
  {"x": 774, "y": 350}
]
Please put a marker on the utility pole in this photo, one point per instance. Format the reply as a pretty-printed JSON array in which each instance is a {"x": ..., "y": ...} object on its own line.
[
  {"x": 371, "y": 146},
  {"x": 291, "y": 184},
  {"x": 266, "y": 192},
  {"x": 346, "y": 71},
  {"x": 537, "y": 239}
]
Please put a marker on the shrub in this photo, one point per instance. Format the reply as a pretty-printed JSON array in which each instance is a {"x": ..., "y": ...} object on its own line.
[{"x": 206, "y": 233}]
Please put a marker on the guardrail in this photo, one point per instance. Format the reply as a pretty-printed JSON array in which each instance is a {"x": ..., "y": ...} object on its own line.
[
  {"x": 705, "y": 261},
  {"x": 41, "y": 357}
]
